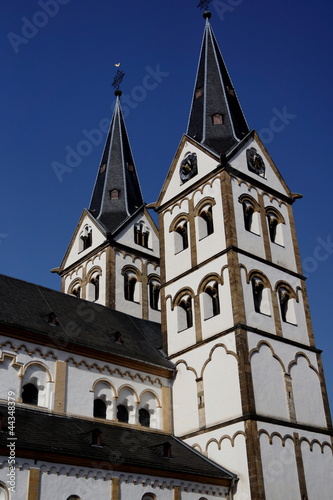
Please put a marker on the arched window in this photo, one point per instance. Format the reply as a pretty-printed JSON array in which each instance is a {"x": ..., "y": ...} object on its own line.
[
  {"x": 131, "y": 286},
  {"x": 99, "y": 408},
  {"x": 149, "y": 496},
  {"x": 275, "y": 221},
  {"x": 144, "y": 417},
  {"x": 93, "y": 287},
  {"x": 75, "y": 289},
  {"x": 122, "y": 414},
  {"x": 287, "y": 304},
  {"x": 141, "y": 234},
  {"x": 181, "y": 237},
  {"x": 261, "y": 297},
  {"x": 73, "y": 497},
  {"x": 185, "y": 315},
  {"x": 211, "y": 302},
  {"x": 3, "y": 492},
  {"x": 30, "y": 394},
  {"x": 154, "y": 294},
  {"x": 205, "y": 222},
  {"x": 85, "y": 240},
  {"x": 250, "y": 213}
]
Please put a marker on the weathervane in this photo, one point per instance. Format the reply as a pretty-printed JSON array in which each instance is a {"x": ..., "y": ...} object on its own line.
[
  {"x": 118, "y": 78},
  {"x": 204, "y": 4}
]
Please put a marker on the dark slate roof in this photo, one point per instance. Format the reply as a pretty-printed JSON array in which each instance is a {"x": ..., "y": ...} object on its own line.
[
  {"x": 116, "y": 172},
  {"x": 218, "y": 96},
  {"x": 42, "y": 432},
  {"x": 80, "y": 323}
]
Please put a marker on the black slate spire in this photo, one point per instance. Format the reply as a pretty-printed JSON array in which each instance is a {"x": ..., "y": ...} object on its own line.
[
  {"x": 216, "y": 117},
  {"x": 117, "y": 192}
]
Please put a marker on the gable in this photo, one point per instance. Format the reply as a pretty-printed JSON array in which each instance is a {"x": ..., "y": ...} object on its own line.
[
  {"x": 86, "y": 228},
  {"x": 191, "y": 163},
  {"x": 252, "y": 159},
  {"x": 147, "y": 234}
]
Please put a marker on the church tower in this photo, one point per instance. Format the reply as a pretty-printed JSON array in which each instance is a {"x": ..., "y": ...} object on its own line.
[
  {"x": 113, "y": 257},
  {"x": 249, "y": 391}
]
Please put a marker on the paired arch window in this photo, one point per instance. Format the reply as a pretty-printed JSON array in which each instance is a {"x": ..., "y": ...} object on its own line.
[
  {"x": 30, "y": 394},
  {"x": 181, "y": 236},
  {"x": 205, "y": 221},
  {"x": 250, "y": 214},
  {"x": 122, "y": 414},
  {"x": 144, "y": 417},
  {"x": 99, "y": 408},
  {"x": 141, "y": 234},
  {"x": 93, "y": 286},
  {"x": 260, "y": 292},
  {"x": 131, "y": 287},
  {"x": 184, "y": 313},
  {"x": 211, "y": 301},
  {"x": 287, "y": 304},
  {"x": 154, "y": 294},
  {"x": 85, "y": 240},
  {"x": 275, "y": 221},
  {"x": 75, "y": 289}
]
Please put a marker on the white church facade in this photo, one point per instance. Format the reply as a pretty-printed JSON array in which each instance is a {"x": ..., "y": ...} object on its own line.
[{"x": 178, "y": 362}]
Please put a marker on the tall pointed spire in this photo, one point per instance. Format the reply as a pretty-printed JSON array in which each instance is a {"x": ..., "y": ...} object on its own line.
[
  {"x": 117, "y": 192},
  {"x": 216, "y": 118}
]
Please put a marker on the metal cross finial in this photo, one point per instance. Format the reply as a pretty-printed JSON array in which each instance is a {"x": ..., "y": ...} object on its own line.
[
  {"x": 204, "y": 4},
  {"x": 118, "y": 79}
]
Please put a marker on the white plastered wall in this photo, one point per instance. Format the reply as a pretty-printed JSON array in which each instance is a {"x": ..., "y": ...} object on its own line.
[
  {"x": 279, "y": 358},
  {"x": 227, "y": 447},
  {"x": 216, "y": 364},
  {"x": 82, "y": 377}
]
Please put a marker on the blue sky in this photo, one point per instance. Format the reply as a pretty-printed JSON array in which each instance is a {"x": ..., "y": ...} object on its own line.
[{"x": 58, "y": 60}]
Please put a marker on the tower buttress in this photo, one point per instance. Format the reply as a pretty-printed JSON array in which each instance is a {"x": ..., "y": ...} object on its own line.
[
  {"x": 113, "y": 257},
  {"x": 235, "y": 312}
]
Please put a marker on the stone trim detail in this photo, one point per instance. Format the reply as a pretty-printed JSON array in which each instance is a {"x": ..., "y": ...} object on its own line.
[
  {"x": 193, "y": 238},
  {"x": 300, "y": 466},
  {"x": 201, "y": 403},
  {"x": 266, "y": 239},
  {"x": 294, "y": 239},
  {"x": 228, "y": 210},
  {"x": 115, "y": 488},
  {"x": 256, "y": 478},
  {"x": 166, "y": 409},
  {"x": 33, "y": 484},
  {"x": 324, "y": 392},
  {"x": 307, "y": 314},
  {"x": 176, "y": 493},
  {"x": 245, "y": 373},
  {"x": 290, "y": 397},
  {"x": 110, "y": 283},
  {"x": 236, "y": 288},
  {"x": 60, "y": 386},
  {"x": 197, "y": 318}
]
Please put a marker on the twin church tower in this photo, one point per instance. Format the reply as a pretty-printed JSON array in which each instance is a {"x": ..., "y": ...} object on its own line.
[{"x": 223, "y": 276}]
